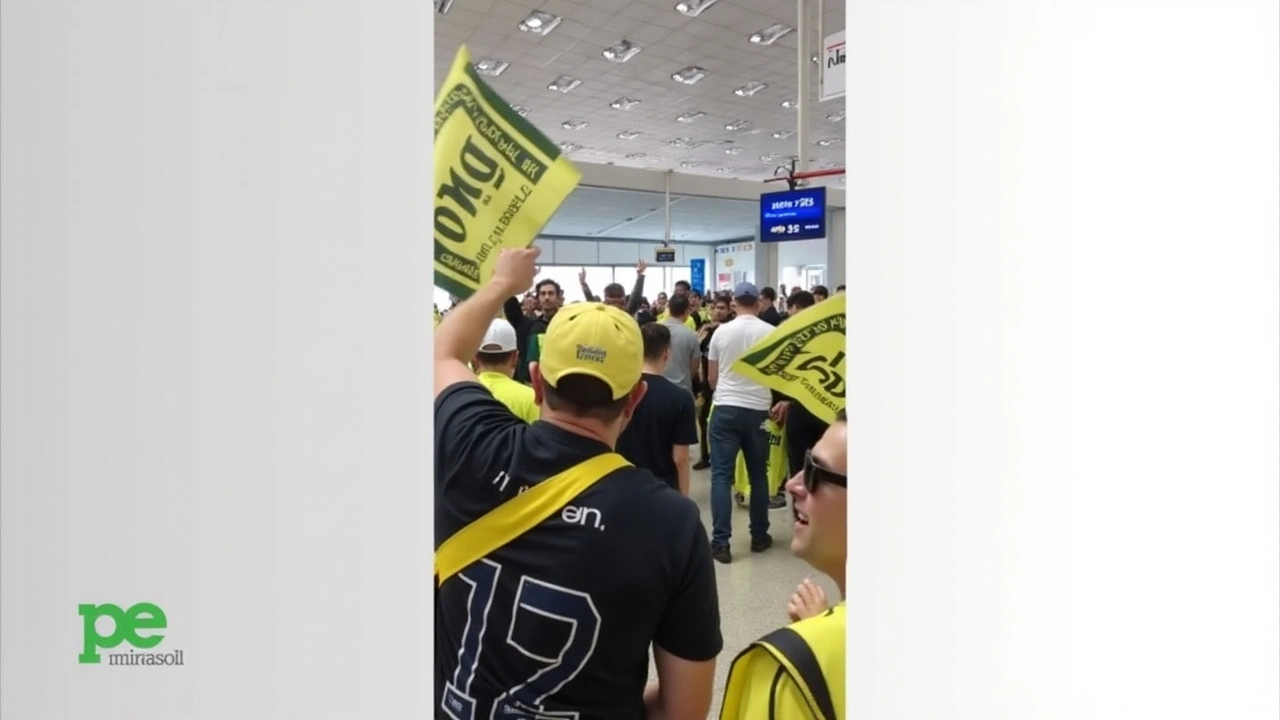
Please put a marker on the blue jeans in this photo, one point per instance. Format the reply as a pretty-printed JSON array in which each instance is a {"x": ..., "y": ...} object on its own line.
[{"x": 732, "y": 430}]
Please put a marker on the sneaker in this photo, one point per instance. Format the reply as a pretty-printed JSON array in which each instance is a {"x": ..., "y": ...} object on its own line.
[
  {"x": 702, "y": 465},
  {"x": 761, "y": 544},
  {"x": 778, "y": 502},
  {"x": 721, "y": 554}
]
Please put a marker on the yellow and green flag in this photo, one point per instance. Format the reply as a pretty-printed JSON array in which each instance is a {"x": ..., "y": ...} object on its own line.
[
  {"x": 804, "y": 359},
  {"x": 498, "y": 180}
]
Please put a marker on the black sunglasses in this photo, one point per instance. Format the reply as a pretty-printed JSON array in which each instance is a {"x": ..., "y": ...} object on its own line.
[{"x": 815, "y": 474}]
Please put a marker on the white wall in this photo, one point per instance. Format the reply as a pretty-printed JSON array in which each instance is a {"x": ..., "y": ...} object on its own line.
[
  {"x": 735, "y": 262},
  {"x": 802, "y": 252}
]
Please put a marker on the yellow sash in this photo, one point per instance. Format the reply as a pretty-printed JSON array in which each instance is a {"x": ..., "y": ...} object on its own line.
[{"x": 520, "y": 514}]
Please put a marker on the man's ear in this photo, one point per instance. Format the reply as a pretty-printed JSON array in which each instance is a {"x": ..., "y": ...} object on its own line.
[
  {"x": 535, "y": 376},
  {"x": 637, "y": 394}
]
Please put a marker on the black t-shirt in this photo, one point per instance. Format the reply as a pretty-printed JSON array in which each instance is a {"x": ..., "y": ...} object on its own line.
[
  {"x": 561, "y": 620},
  {"x": 665, "y": 417},
  {"x": 771, "y": 316}
]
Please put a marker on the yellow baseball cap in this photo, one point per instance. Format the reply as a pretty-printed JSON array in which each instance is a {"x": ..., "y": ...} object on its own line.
[{"x": 596, "y": 340}]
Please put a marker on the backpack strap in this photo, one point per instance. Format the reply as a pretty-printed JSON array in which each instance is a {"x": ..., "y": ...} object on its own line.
[
  {"x": 520, "y": 514},
  {"x": 795, "y": 655}
]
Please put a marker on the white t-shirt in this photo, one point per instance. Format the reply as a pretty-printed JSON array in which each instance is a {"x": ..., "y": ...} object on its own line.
[{"x": 730, "y": 342}]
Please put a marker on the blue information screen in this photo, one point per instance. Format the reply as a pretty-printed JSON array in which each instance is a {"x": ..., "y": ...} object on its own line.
[{"x": 793, "y": 215}]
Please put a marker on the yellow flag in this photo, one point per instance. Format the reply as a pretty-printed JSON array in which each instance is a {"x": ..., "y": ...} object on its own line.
[
  {"x": 498, "y": 180},
  {"x": 804, "y": 359}
]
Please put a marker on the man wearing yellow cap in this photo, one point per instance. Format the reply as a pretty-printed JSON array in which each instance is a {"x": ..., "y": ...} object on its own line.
[{"x": 550, "y": 621}]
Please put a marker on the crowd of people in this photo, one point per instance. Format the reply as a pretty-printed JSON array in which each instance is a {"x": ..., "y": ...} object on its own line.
[{"x": 563, "y": 442}]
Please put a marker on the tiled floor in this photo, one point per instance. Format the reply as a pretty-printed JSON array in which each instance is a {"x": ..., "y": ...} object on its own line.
[{"x": 754, "y": 589}]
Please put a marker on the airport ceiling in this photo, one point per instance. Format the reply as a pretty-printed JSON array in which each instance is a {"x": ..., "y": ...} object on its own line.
[{"x": 673, "y": 126}]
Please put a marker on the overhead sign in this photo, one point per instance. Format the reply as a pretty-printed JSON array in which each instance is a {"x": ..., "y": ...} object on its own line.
[
  {"x": 833, "y": 62},
  {"x": 793, "y": 215},
  {"x": 664, "y": 255}
]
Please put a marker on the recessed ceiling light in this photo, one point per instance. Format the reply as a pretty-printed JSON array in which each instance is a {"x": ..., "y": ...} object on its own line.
[
  {"x": 570, "y": 147},
  {"x": 768, "y": 158},
  {"x": 624, "y": 103},
  {"x": 688, "y": 164},
  {"x": 737, "y": 125},
  {"x": 628, "y": 135},
  {"x": 769, "y": 35},
  {"x": 694, "y": 8},
  {"x": 828, "y": 142},
  {"x": 790, "y": 104},
  {"x": 690, "y": 117},
  {"x": 574, "y": 124},
  {"x": 622, "y": 52},
  {"x": 491, "y": 67},
  {"x": 689, "y": 75},
  {"x": 750, "y": 89},
  {"x": 635, "y": 156},
  {"x": 564, "y": 83},
  {"x": 723, "y": 170},
  {"x": 783, "y": 134},
  {"x": 686, "y": 143},
  {"x": 814, "y": 58},
  {"x": 836, "y": 116},
  {"x": 442, "y": 6},
  {"x": 735, "y": 150},
  {"x": 520, "y": 110},
  {"x": 539, "y": 23}
]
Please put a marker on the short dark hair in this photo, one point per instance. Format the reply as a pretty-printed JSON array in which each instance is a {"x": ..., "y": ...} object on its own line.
[
  {"x": 683, "y": 284},
  {"x": 839, "y": 288},
  {"x": 803, "y": 299},
  {"x": 678, "y": 305},
  {"x": 821, "y": 290},
  {"x": 657, "y": 340},
  {"x": 768, "y": 293},
  {"x": 614, "y": 290},
  {"x": 548, "y": 281},
  {"x": 583, "y": 396},
  {"x": 747, "y": 301},
  {"x": 725, "y": 298},
  {"x": 489, "y": 359},
  {"x": 840, "y": 416},
  {"x": 695, "y": 293}
]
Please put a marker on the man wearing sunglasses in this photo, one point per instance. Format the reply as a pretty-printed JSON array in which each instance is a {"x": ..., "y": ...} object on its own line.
[{"x": 797, "y": 672}]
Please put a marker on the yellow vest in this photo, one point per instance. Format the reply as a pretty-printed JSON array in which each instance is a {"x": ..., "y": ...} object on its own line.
[
  {"x": 688, "y": 321},
  {"x": 794, "y": 673},
  {"x": 518, "y": 398}
]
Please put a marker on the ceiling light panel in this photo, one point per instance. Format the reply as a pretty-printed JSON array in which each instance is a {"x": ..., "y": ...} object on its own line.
[
  {"x": 694, "y": 8},
  {"x": 564, "y": 84},
  {"x": 769, "y": 35},
  {"x": 689, "y": 75},
  {"x": 690, "y": 117},
  {"x": 621, "y": 52},
  {"x": 624, "y": 103},
  {"x": 574, "y": 124},
  {"x": 750, "y": 89},
  {"x": 783, "y": 134},
  {"x": 738, "y": 125},
  {"x": 491, "y": 67},
  {"x": 520, "y": 110},
  {"x": 539, "y": 23},
  {"x": 628, "y": 135}
]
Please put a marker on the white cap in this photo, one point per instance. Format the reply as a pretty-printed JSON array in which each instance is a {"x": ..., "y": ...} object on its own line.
[{"x": 500, "y": 337}]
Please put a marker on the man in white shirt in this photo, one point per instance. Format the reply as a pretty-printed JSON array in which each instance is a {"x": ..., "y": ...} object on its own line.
[{"x": 738, "y": 424}]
